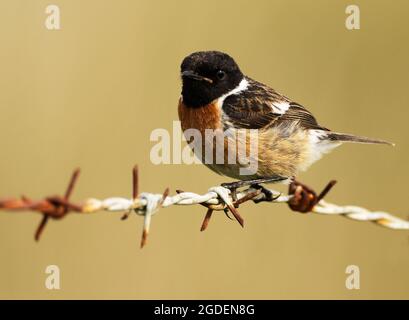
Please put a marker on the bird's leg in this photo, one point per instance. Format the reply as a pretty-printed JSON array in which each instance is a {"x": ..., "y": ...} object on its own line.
[
  {"x": 243, "y": 183},
  {"x": 233, "y": 186},
  {"x": 304, "y": 198}
]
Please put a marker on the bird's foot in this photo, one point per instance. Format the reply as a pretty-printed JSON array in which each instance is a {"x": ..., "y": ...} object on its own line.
[
  {"x": 268, "y": 195},
  {"x": 304, "y": 198},
  {"x": 233, "y": 186}
]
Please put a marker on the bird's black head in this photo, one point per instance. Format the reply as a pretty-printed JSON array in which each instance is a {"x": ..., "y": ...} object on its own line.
[{"x": 206, "y": 76}]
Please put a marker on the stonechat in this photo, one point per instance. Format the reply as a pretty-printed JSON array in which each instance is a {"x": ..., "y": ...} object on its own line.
[{"x": 217, "y": 95}]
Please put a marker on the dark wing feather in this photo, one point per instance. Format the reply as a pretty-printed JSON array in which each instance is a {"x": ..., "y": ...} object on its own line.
[
  {"x": 297, "y": 112},
  {"x": 253, "y": 109}
]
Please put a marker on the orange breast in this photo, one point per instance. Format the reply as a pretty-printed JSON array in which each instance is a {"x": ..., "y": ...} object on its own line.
[{"x": 206, "y": 117}]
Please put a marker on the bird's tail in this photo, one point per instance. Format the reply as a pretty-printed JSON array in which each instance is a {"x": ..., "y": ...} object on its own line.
[{"x": 343, "y": 137}]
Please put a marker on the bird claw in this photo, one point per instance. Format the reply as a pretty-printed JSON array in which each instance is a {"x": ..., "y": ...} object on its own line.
[{"x": 268, "y": 195}]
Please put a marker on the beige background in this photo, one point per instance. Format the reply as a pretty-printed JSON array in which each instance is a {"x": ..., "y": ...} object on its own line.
[{"x": 89, "y": 95}]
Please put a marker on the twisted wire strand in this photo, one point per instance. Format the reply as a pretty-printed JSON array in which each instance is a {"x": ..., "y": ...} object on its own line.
[
  {"x": 149, "y": 204},
  {"x": 216, "y": 199},
  {"x": 116, "y": 204}
]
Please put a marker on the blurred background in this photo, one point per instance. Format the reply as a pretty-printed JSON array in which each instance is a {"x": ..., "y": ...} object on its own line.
[{"x": 90, "y": 94}]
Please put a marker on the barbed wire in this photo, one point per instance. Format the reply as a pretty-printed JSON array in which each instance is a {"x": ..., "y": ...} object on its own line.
[{"x": 219, "y": 198}]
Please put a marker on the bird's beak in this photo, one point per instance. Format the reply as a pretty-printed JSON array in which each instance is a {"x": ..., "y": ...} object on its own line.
[{"x": 192, "y": 75}]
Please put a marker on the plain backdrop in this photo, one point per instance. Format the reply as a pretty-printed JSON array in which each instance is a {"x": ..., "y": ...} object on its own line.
[{"x": 90, "y": 94}]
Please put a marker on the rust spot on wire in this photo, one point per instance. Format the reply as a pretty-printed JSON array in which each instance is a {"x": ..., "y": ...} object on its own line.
[
  {"x": 304, "y": 199},
  {"x": 55, "y": 207}
]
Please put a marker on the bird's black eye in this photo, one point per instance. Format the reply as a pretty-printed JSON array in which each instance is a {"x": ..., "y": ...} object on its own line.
[{"x": 221, "y": 74}]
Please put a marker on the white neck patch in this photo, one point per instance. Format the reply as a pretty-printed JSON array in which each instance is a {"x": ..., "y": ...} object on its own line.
[{"x": 241, "y": 87}]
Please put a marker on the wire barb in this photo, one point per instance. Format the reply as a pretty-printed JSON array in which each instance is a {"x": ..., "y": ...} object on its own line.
[{"x": 60, "y": 207}]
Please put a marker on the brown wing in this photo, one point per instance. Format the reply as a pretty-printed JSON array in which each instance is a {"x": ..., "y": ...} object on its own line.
[{"x": 261, "y": 107}]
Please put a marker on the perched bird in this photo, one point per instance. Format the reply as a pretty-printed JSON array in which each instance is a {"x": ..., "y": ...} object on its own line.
[{"x": 217, "y": 95}]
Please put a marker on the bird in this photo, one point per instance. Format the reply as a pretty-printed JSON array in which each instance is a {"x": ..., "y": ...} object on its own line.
[{"x": 217, "y": 95}]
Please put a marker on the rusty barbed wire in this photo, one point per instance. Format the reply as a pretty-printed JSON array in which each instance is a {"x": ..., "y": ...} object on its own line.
[{"x": 300, "y": 198}]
